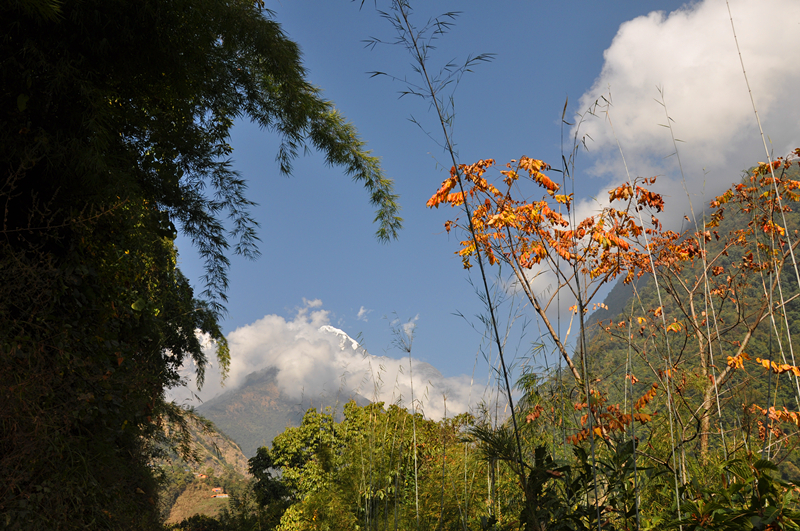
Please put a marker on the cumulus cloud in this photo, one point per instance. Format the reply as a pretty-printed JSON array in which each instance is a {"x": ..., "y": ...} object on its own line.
[
  {"x": 687, "y": 60},
  {"x": 314, "y": 303},
  {"x": 313, "y": 358}
]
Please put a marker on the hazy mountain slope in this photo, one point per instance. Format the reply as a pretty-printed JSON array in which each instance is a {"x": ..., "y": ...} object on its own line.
[{"x": 254, "y": 413}]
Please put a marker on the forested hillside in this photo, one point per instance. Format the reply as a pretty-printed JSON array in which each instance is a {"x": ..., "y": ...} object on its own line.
[{"x": 256, "y": 411}]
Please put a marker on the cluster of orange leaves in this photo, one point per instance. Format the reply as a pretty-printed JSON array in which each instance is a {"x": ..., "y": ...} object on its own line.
[
  {"x": 761, "y": 194},
  {"x": 775, "y": 416},
  {"x": 525, "y": 233},
  {"x": 778, "y": 415},
  {"x": 737, "y": 362},
  {"x": 762, "y": 431},
  {"x": 535, "y": 414},
  {"x": 778, "y": 368},
  {"x": 608, "y": 419}
]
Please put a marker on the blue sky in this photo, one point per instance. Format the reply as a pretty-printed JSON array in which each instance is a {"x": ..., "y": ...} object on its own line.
[{"x": 319, "y": 254}]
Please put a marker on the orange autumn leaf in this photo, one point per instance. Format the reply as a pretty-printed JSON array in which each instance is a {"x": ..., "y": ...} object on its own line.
[
  {"x": 737, "y": 362},
  {"x": 647, "y": 397},
  {"x": 455, "y": 199},
  {"x": 441, "y": 195}
]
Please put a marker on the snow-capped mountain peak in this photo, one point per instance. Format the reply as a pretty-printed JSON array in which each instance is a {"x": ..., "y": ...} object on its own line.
[{"x": 344, "y": 339}]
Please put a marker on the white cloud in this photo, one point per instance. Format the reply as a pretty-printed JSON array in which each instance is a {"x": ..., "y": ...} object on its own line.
[
  {"x": 362, "y": 314},
  {"x": 314, "y": 303},
  {"x": 312, "y": 357},
  {"x": 691, "y": 55},
  {"x": 409, "y": 326}
]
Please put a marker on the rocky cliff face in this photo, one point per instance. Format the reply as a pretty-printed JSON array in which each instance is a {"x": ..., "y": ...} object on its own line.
[
  {"x": 220, "y": 453},
  {"x": 187, "y": 487}
]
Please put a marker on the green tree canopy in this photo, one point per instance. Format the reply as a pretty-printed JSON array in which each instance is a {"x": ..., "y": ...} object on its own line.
[
  {"x": 102, "y": 98},
  {"x": 375, "y": 469},
  {"x": 116, "y": 121}
]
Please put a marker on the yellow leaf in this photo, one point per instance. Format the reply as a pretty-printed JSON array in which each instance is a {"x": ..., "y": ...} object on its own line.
[
  {"x": 563, "y": 199},
  {"x": 674, "y": 327}
]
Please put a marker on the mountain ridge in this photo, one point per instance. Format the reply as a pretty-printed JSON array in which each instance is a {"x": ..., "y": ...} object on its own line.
[{"x": 256, "y": 411}]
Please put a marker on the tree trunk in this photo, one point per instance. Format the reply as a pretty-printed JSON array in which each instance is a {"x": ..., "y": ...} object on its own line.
[{"x": 705, "y": 421}]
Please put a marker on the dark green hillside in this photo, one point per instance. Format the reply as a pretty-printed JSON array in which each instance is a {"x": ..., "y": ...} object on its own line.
[{"x": 617, "y": 301}]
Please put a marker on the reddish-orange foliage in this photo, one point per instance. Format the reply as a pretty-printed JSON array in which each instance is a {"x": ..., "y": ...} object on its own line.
[
  {"x": 535, "y": 414},
  {"x": 526, "y": 233},
  {"x": 778, "y": 415},
  {"x": 608, "y": 419}
]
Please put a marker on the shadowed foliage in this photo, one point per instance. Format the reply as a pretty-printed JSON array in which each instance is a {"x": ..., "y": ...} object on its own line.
[{"x": 115, "y": 121}]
